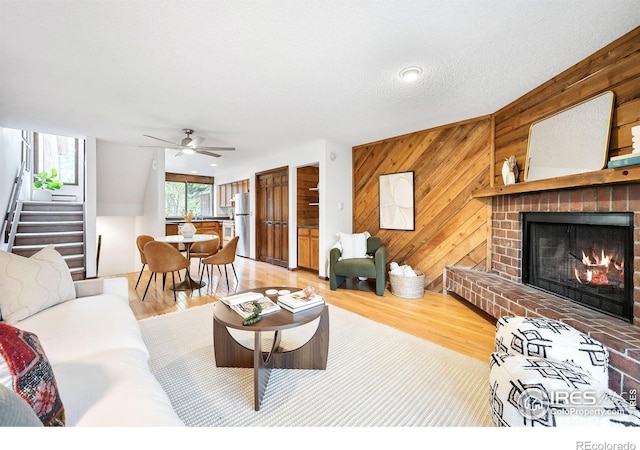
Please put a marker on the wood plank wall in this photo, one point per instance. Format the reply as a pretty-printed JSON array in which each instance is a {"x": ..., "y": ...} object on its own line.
[
  {"x": 616, "y": 67},
  {"x": 449, "y": 162}
]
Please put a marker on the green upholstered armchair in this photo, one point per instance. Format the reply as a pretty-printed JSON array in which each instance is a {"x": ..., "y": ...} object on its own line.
[{"x": 340, "y": 269}]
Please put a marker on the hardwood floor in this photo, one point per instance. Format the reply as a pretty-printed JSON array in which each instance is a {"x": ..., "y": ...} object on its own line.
[{"x": 439, "y": 318}]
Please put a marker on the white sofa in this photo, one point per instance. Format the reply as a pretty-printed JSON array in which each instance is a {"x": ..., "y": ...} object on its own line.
[{"x": 99, "y": 359}]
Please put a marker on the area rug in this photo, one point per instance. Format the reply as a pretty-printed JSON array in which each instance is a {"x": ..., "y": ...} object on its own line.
[{"x": 376, "y": 376}]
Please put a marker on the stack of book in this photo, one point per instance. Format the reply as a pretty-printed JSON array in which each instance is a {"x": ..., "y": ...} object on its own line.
[
  {"x": 244, "y": 304},
  {"x": 624, "y": 160},
  {"x": 298, "y": 301}
]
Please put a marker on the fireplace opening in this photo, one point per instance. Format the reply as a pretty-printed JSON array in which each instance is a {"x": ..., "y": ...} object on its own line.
[{"x": 586, "y": 258}]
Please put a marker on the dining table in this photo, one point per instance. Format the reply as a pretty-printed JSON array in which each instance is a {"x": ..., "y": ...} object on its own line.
[{"x": 188, "y": 282}]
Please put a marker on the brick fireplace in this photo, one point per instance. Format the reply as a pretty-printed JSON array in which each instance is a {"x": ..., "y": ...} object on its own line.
[
  {"x": 506, "y": 251},
  {"x": 502, "y": 291}
]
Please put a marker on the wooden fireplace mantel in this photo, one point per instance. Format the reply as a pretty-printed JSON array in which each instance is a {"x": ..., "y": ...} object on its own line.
[{"x": 627, "y": 174}]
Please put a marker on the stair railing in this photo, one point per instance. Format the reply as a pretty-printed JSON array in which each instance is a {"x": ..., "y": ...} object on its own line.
[
  {"x": 14, "y": 226},
  {"x": 13, "y": 202}
]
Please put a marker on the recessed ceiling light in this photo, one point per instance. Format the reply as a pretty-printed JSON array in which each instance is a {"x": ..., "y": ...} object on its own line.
[
  {"x": 410, "y": 73},
  {"x": 213, "y": 165},
  {"x": 194, "y": 171}
]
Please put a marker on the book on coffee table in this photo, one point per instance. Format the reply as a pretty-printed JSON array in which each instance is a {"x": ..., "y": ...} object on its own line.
[
  {"x": 298, "y": 301},
  {"x": 244, "y": 304}
]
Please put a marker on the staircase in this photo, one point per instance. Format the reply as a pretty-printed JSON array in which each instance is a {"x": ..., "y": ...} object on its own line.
[{"x": 38, "y": 224}]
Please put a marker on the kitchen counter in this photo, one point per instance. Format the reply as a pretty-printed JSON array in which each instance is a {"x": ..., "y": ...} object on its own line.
[{"x": 208, "y": 219}]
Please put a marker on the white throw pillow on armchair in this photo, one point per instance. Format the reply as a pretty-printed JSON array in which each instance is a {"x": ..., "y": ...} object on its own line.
[{"x": 354, "y": 245}]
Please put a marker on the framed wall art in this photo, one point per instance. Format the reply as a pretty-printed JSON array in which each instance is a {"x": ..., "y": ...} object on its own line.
[{"x": 396, "y": 201}]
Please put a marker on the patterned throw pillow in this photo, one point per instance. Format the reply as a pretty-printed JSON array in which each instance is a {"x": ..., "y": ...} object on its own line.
[
  {"x": 25, "y": 369},
  {"x": 29, "y": 285},
  {"x": 551, "y": 339},
  {"x": 539, "y": 392}
]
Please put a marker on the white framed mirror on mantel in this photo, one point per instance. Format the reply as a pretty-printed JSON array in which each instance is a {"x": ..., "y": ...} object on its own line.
[{"x": 573, "y": 141}]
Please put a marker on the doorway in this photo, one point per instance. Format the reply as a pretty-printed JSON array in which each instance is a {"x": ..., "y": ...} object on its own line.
[{"x": 272, "y": 216}]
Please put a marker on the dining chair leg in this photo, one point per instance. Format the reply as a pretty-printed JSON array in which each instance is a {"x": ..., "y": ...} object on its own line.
[
  {"x": 227, "y": 276},
  {"x": 201, "y": 271},
  {"x": 173, "y": 279},
  {"x": 140, "y": 276},
  {"x": 234, "y": 273},
  {"x": 145, "y": 291},
  {"x": 164, "y": 280}
]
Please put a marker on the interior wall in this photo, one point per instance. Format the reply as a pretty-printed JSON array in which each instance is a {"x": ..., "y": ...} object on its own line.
[
  {"x": 451, "y": 227},
  {"x": 616, "y": 67},
  {"x": 10, "y": 158}
]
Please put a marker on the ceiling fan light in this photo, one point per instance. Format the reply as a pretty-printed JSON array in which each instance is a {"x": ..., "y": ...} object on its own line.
[{"x": 188, "y": 151}]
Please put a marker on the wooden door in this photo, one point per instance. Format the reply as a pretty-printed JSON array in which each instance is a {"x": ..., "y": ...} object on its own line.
[{"x": 272, "y": 217}]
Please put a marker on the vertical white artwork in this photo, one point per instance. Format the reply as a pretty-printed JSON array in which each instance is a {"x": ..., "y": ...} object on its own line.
[{"x": 396, "y": 201}]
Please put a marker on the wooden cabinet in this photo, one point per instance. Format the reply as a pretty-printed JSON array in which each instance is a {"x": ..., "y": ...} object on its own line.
[
  {"x": 308, "y": 239},
  {"x": 209, "y": 227},
  {"x": 227, "y": 191},
  {"x": 308, "y": 196},
  {"x": 272, "y": 217},
  {"x": 171, "y": 229},
  {"x": 228, "y": 231}
]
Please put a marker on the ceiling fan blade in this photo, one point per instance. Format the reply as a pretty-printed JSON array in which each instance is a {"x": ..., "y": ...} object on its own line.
[
  {"x": 162, "y": 140},
  {"x": 204, "y": 152},
  {"x": 195, "y": 141},
  {"x": 218, "y": 149},
  {"x": 179, "y": 153}
]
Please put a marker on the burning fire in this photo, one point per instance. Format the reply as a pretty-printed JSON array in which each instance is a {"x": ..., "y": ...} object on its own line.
[{"x": 596, "y": 270}]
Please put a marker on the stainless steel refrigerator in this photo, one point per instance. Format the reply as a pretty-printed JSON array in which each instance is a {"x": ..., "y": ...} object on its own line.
[{"x": 241, "y": 214}]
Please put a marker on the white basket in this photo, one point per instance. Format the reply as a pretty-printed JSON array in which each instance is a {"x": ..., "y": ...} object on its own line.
[{"x": 407, "y": 287}]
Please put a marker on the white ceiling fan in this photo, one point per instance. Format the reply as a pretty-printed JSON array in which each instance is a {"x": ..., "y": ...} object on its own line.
[{"x": 189, "y": 145}]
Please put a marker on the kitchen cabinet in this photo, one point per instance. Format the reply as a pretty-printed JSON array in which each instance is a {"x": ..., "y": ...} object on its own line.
[
  {"x": 227, "y": 191},
  {"x": 202, "y": 227},
  {"x": 308, "y": 239},
  {"x": 228, "y": 231}
]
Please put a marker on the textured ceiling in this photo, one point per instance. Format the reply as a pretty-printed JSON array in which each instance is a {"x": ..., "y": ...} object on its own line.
[{"x": 258, "y": 75}]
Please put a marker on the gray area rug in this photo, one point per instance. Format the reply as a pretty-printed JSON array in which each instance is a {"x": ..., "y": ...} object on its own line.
[{"x": 375, "y": 376}]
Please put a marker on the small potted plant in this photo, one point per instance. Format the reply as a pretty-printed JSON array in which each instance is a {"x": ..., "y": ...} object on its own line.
[{"x": 45, "y": 184}]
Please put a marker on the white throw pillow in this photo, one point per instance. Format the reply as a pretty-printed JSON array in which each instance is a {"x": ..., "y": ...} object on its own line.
[
  {"x": 354, "y": 245},
  {"x": 29, "y": 285}
]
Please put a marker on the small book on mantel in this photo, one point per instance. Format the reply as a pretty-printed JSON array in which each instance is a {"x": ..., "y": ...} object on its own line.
[
  {"x": 298, "y": 301},
  {"x": 623, "y": 160},
  {"x": 244, "y": 304}
]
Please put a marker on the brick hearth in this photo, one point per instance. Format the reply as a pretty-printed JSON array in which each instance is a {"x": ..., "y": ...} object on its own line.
[{"x": 501, "y": 292}]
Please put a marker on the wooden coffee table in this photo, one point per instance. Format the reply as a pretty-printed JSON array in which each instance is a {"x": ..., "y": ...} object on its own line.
[{"x": 229, "y": 353}]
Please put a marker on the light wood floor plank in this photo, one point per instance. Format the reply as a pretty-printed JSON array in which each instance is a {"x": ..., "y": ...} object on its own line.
[{"x": 439, "y": 318}]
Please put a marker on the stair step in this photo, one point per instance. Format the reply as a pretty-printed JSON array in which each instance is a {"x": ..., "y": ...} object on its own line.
[
  {"x": 48, "y": 238},
  {"x": 53, "y": 222},
  {"x": 50, "y": 217},
  {"x": 52, "y": 233},
  {"x": 52, "y": 206},
  {"x": 45, "y": 227},
  {"x": 65, "y": 249}
]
